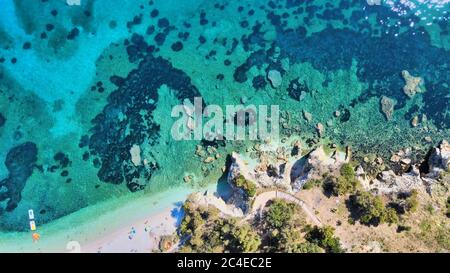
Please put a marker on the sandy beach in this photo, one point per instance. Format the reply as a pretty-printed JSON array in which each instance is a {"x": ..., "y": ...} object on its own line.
[
  {"x": 119, "y": 225},
  {"x": 139, "y": 237}
]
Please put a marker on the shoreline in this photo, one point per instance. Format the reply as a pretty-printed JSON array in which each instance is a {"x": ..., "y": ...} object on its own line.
[{"x": 106, "y": 226}]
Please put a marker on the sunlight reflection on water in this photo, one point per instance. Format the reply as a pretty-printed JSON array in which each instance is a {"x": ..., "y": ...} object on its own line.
[{"x": 429, "y": 12}]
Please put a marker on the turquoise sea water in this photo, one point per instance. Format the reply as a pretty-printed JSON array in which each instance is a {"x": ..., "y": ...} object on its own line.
[{"x": 80, "y": 85}]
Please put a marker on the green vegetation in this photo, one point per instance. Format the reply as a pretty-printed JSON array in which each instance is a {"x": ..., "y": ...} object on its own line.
[
  {"x": 370, "y": 209},
  {"x": 246, "y": 239},
  {"x": 324, "y": 238},
  {"x": 286, "y": 230},
  {"x": 435, "y": 233},
  {"x": 443, "y": 238},
  {"x": 284, "y": 224},
  {"x": 347, "y": 171},
  {"x": 343, "y": 186},
  {"x": 290, "y": 239},
  {"x": 313, "y": 183},
  {"x": 207, "y": 232},
  {"x": 412, "y": 202},
  {"x": 429, "y": 208},
  {"x": 304, "y": 247},
  {"x": 345, "y": 183},
  {"x": 282, "y": 229},
  {"x": 280, "y": 213},
  {"x": 248, "y": 186}
]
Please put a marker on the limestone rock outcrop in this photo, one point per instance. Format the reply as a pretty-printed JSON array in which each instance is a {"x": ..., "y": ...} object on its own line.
[
  {"x": 388, "y": 182},
  {"x": 317, "y": 163},
  {"x": 439, "y": 160}
]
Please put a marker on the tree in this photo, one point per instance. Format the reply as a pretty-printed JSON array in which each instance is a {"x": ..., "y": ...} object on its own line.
[
  {"x": 291, "y": 240},
  {"x": 246, "y": 239},
  {"x": 324, "y": 238},
  {"x": 280, "y": 213},
  {"x": 306, "y": 247}
]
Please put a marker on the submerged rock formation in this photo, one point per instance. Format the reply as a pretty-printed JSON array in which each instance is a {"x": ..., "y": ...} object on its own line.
[
  {"x": 2, "y": 120},
  {"x": 413, "y": 84},
  {"x": 121, "y": 124},
  {"x": 20, "y": 162},
  {"x": 135, "y": 152},
  {"x": 387, "y": 107},
  {"x": 298, "y": 89},
  {"x": 275, "y": 79}
]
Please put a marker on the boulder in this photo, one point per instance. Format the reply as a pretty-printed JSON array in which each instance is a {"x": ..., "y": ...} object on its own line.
[
  {"x": 320, "y": 129},
  {"x": 274, "y": 76},
  {"x": 415, "y": 121},
  {"x": 412, "y": 84},
  {"x": 307, "y": 116},
  {"x": 387, "y": 107},
  {"x": 135, "y": 152}
]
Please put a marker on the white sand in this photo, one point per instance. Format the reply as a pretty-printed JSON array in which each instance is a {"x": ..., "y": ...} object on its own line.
[
  {"x": 105, "y": 227},
  {"x": 148, "y": 232}
]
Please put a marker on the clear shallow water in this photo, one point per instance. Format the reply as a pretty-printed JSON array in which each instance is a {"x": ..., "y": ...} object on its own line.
[{"x": 83, "y": 84}]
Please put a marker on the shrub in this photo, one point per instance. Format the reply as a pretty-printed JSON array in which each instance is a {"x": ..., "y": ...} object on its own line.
[
  {"x": 370, "y": 209},
  {"x": 248, "y": 186},
  {"x": 312, "y": 184},
  {"x": 412, "y": 202},
  {"x": 390, "y": 216},
  {"x": 347, "y": 171},
  {"x": 345, "y": 183},
  {"x": 192, "y": 219}
]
